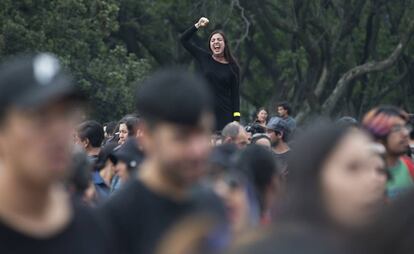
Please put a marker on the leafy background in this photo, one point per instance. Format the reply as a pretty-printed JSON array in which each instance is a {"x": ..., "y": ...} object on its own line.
[{"x": 288, "y": 50}]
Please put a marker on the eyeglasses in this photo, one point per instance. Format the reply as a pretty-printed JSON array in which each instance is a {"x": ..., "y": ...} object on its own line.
[{"x": 399, "y": 128}]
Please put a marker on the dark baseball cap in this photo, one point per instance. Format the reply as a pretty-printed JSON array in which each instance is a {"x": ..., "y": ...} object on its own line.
[
  {"x": 277, "y": 124},
  {"x": 30, "y": 81},
  {"x": 128, "y": 153}
]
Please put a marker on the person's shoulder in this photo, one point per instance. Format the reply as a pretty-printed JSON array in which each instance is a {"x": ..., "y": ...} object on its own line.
[
  {"x": 125, "y": 198},
  {"x": 290, "y": 119},
  {"x": 207, "y": 202},
  {"x": 90, "y": 225}
]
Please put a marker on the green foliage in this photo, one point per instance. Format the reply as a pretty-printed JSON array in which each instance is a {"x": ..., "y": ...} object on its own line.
[
  {"x": 79, "y": 32},
  {"x": 283, "y": 46}
]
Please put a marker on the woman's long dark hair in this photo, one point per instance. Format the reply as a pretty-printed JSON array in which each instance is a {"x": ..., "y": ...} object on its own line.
[
  {"x": 227, "y": 52},
  {"x": 304, "y": 195}
]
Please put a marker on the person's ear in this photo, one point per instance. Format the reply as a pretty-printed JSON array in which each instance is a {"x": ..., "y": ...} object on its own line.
[
  {"x": 85, "y": 143},
  {"x": 227, "y": 140},
  {"x": 384, "y": 141}
]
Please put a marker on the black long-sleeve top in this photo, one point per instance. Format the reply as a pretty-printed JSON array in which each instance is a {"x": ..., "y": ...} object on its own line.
[{"x": 223, "y": 80}]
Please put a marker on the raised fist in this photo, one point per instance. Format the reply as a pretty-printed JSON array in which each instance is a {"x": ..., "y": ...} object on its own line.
[{"x": 202, "y": 22}]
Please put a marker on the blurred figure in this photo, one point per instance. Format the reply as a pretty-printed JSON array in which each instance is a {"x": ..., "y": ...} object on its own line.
[
  {"x": 104, "y": 172},
  {"x": 262, "y": 140},
  {"x": 122, "y": 132},
  {"x": 261, "y": 117},
  {"x": 347, "y": 121},
  {"x": 79, "y": 182},
  {"x": 109, "y": 130},
  {"x": 412, "y": 144},
  {"x": 340, "y": 173},
  {"x": 128, "y": 127},
  {"x": 259, "y": 123},
  {"x": 127, "y": 158},
  {"x": 38, "y": 115},
  {"x": 278, "y": 131},
  {"x": 284, "y": 111},
  {"x": 89, "y": 136},
  {"x": 221, "y": 159},
  {"x": 255, "y": 128},
  {"x": 196, "y": 234},
  {"x": 235, "y": 188},
  {"x": 260, "y": 165},
  {"x": 336, "y": 186},
  {"x": 216, "y": 139},
  {"x": 177, "y": 121},
  {"x": 289, "y": 240},
  {"x": 393, "y": 231},
  {"x": 389, "y": 126},
  {"x": 234, "y": 133}
]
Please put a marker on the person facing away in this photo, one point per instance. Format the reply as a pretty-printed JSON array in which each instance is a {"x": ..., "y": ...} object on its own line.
[
  {"x": 39, "y": 111},
  {"x": 260, "y": 165},
  {"x": 388, "y": 125},
  {"x": 234, "y": 133},
  {"x": 284, "y": 111},
  {"x": 90, "y": 135},
  {"x": 175, "y": 107},
  {"x": 220, "y": 69},
  {"x": 393, "y": 231},
  {"x": 262, "y": 139}
]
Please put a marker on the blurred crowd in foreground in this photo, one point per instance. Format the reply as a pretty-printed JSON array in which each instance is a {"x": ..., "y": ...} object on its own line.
[{"x": 159, "y": 181}]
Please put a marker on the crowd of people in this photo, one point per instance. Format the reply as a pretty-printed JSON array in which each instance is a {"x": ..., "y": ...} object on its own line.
[{"x": 164, "y": 179}]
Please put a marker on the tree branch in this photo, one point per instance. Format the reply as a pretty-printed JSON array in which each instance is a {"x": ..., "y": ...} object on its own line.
[
  {"x": 246, "y": 22},
  {"x": 360, "y": 70}
]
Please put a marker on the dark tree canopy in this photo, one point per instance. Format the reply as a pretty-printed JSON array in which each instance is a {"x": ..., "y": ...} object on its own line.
[{"x": 331, "y": 57}]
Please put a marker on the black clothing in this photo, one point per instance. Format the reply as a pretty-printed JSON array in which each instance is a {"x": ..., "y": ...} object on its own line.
[
  {"x": 295, "y": 238},
  {"x": 223, "y": 80},
  {"x": 139, "y": 218},
  {"x": 83, "y": 235}
]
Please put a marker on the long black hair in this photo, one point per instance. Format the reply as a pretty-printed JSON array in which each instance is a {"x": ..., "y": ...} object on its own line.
[{"x": 310, "y": 151}]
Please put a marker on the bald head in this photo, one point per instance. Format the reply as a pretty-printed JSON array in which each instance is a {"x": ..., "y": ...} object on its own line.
[{"x": 234, "y": 133}]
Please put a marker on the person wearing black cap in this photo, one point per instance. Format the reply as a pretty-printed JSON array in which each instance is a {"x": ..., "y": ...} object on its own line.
[
  {"x": 177, "y": 120},
  {"x": 278, "y": 131},
  {"x": 38, "y": 114},
  {"x": 127, "y": 159}
]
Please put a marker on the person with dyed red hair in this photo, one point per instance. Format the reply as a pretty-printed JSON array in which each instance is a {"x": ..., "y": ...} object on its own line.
[{"x": 389, "y": 126}]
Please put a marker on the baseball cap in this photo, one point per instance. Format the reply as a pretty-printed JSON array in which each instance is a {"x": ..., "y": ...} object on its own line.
[
  {"x": 30, "y": 81},
  {"x": 277, "y": 124},
  {"x": 128, "y": 153}
]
